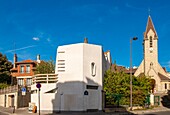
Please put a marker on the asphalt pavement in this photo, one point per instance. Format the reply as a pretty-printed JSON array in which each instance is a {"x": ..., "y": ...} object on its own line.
[{"x": 24, "y": 111}]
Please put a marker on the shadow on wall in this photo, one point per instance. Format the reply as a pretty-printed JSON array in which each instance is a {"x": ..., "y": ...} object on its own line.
[
  {"x": 76, "y": 96},
  {"x": 166, "y": 100}
]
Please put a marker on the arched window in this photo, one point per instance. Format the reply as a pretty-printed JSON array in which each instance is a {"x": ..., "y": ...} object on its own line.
[
  {"x": 151, "y": 41},
  {"x": 93, "y": 69}
]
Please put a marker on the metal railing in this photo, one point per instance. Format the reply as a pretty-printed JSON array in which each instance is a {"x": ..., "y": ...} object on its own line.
[
  {"x": 44, "y": 78},
  {"x": 9, "y": 89}
]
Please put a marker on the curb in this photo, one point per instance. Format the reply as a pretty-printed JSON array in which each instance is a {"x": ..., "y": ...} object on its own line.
[{"x": 150, "y": 111}]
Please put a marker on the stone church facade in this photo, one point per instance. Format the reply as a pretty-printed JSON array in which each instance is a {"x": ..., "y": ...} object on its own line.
[{"x": 150, "y": 65}]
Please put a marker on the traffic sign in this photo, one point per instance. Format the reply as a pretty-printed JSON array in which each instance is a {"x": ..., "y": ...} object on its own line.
[
  {"x": 38, "y": 85},
  {"x": 23, "y": 93},
  {"x": 23, "y": 89}
]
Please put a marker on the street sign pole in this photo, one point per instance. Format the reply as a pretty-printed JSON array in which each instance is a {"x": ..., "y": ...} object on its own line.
[
  {"x": 39, "y": 100},
  {"x": 38, "y": 86}
]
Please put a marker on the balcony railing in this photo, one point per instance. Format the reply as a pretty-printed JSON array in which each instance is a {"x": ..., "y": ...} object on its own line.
[{"x": 44, "y": 78}]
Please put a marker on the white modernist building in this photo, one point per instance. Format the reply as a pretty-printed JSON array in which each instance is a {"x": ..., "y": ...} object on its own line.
[{"x": 80, "y": 70}]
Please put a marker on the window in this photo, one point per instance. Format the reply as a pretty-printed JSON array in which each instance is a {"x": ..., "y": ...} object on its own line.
[
  {"x": 91, "y": 87},
  {"x": 20, "y": 81},
  {"x": 61, "y": 52},
  {"x": 21, "y": 69},
  {"x": 165, "y": 86},
  {"x": 29, "y": 81},
  {"x": 151, "y": 65},
  {"x": 151, "y": 42},
  {"x": 93, "y": 69},
  {"x": 27, "y": 68},
  {"x": 61, "y": 70},
  {"x": 106, "y": 57}
]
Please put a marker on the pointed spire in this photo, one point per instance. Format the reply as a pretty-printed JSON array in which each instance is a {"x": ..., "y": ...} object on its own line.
[{"x": 150, "y": 26}]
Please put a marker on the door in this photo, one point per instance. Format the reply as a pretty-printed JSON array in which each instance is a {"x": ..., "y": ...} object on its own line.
[{"x": 92, "y": 100}]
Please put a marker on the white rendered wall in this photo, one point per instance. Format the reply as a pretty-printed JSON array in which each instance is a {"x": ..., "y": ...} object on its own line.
[
  {"x": 77, "y": 59},
  {"x": 93, "y": 54},
  {"x": 46, "y": 99},
  {"x": 2, "y": 100},
  {"x": 70, "y": 82}
]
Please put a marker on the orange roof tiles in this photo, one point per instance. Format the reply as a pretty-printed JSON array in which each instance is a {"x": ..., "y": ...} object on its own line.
[{"x": 26, "y": 61}]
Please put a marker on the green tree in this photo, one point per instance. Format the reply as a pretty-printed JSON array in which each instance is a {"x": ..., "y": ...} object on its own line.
[
  {"x": 45, "y": 67},
  {"x": 5, "y": 66},
  {"x": 117, "y": 86},
  {"x": 3, "y": 85}
]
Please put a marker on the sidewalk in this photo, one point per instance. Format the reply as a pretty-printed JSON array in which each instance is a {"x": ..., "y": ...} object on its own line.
[
  {"x": 156, "y": 109},
  {"x": 24, "y": 111}
]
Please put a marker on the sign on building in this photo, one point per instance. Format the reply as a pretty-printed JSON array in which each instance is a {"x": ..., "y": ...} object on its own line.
[{"x": 23, "y": 91}]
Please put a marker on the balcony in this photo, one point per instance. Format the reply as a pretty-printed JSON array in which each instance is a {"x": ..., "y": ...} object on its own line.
[{"x": 44, "y": 78}]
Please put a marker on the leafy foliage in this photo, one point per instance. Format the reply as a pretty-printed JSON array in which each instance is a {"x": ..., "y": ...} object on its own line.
[
  {"x": 3, "y": 85},
  {"x": 45, "y": 67},
  {"x": 5, "y": 66},
  {"x": 117, "y": 84}
]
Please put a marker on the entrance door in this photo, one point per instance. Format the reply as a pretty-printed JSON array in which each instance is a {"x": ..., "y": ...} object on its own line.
[
  {"x": 11, "y": 100},
  {"x": 153, "y": 84},
  {"x": 93, "y": 100}
]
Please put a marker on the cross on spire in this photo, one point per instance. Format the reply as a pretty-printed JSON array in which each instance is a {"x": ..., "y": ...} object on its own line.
[{"x": 149, "y": 11}]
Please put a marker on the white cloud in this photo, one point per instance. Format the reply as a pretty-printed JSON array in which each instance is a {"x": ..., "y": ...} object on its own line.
[
  {"x": 20, "y": 48},
  {"x": 36, "y": 38}
]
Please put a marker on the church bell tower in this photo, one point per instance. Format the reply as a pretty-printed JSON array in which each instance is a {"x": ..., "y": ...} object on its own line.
[
  {"x": 150, "y": 44},
  {"x": 150, "y": 66}
]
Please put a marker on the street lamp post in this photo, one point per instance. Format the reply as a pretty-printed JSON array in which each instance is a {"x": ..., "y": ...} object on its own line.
[{"x": 134, "y": 38}]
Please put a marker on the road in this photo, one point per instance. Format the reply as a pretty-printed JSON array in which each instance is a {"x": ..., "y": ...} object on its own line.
[{"x": 3, "y": 113}]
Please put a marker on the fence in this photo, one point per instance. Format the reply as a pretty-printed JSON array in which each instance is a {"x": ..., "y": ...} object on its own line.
[
  {"x": 114, "y": 100},
  {"x": 9, "y": 89}
]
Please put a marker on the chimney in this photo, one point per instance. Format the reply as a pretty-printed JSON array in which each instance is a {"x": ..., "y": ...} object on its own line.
[
  {"x": 15, "y": 60},
  {"x": 85, "y": 40},
  {"x": 38, "y": 58}
]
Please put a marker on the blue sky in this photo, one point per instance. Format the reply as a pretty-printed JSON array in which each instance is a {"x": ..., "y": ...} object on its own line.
[{"x": 34, "y": 27}]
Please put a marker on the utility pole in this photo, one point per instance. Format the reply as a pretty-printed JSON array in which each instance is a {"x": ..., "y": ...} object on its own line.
[{"x": 135, "y": 38}]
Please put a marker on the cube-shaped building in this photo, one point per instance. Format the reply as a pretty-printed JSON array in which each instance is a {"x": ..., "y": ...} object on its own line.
[{"x": 80, "y": 68}]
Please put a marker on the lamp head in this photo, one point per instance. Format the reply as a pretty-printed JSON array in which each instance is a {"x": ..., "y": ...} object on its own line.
[{"x": 135, "y": 38}]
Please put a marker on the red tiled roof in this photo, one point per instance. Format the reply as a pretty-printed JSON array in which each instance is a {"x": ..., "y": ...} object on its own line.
[
  {"x": 149, "y": 26},
  {"x": 118, "y": 68},
  {"x": 106, "y": 52},
  {"x": 163, "y": 78},
  {"x": 133, "y": 70},
  {"x": 13, "y": 69},
  {"x": 122, "y": 69},
  {"x": 26, "y": 61}
]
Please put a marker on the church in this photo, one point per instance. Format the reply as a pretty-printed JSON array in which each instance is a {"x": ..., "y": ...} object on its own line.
[{"x": 150, "y": 65}]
